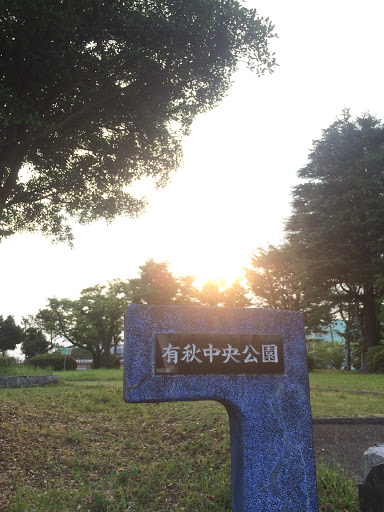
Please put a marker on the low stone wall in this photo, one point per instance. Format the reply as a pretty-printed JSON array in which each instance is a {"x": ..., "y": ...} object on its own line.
[{"x": 27, "y": 380}]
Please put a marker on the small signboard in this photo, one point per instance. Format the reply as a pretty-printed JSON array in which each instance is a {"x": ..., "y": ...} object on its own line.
[
  {"x": 220, "y": 354},
  {"x": 66, "y": 351}
]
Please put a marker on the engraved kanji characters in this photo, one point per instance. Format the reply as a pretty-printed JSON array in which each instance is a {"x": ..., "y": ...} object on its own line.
[
  {"x": 211, "y": 352},
  {"x": 229, "y": 353},
  {"x": 189, "y": 353},
  {"x": 269, "y": 353},
  {"x": 171, "y": 353},
  {"x": 252, "y": 354},
  {"x": 248, "y": 355}
]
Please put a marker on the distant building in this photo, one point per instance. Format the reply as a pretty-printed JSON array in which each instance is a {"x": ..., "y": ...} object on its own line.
[
  {"x": 83, "y": 364},
  {"x": 332, "y": 332}
]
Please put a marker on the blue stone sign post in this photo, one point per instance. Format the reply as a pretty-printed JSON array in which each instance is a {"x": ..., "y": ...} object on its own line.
[{"x": 253, "y": 361}]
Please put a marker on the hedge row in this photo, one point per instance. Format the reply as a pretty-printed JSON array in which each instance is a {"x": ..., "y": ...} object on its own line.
[
  {"x": 375, "y": 359},
  {"x": 54, "y": 361}
]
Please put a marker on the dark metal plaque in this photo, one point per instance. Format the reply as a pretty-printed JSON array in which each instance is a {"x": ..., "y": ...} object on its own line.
[{"x": 223, "y": 354}]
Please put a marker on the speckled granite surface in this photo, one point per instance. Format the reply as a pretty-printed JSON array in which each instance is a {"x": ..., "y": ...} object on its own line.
[{"x": 272, "y": 457}]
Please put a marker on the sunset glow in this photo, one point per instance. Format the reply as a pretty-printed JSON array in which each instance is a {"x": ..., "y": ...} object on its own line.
[{"x": 240, "y": 162}]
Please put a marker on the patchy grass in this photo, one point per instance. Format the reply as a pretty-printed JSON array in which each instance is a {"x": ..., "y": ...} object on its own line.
[
  {"x": 332, "y": 403},
  {"x": 95, "y": 375},
  {"x": 23, "y": 369},
  {"x": 337, "y": 492},
  {"x": 78, "y": 447},
  {"x": 347, "y": 380},
  {"x": 325, "y": 403}
]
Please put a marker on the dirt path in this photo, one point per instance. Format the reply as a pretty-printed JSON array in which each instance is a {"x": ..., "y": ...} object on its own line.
[{"x": 347, "y": 443}]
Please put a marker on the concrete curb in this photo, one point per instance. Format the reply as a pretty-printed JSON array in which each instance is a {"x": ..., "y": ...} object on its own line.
[
  {"x": 349, "y": 420},
  {"x": 27, "y": 380}
]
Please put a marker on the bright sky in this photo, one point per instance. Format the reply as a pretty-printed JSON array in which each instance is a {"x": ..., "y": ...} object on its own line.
[{"x": 233, "y": 193}]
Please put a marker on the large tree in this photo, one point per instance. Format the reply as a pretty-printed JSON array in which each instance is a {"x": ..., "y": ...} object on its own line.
[
  {"x": 337, "y": 225},
  {"x": 217, "y": 293},
  {"x": 97, "y": 94},
  {"x": 10, "y": 334},
  {"x": 94, "y": 322},
  {"x": 155, "y": 285},
  {"x": 278, "y": 281},
  {"x": 34, "y": 342}
]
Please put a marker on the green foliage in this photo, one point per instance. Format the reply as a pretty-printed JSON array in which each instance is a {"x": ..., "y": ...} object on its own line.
[
  {"x": 378, "y": 362},
  {"x": 155, "y": 285},
  {"x": 236, "y": 296},
  {"x": 34, "y": 342},
  {"x": 7, "y": 362},
  {"x": 336, "y": 490},
  {"x": 278, "y": 282},
  {"x": 54, "y": 361},
  {"x": 336, "y": 227},
  {"x": 326, "y": 354},
  {"x": 94, "y": 322},
  {"x": 273, "y": 279},
  {"x": 80, "y": 353},
  {"x": 112, "y": 88},
  {"x": 10, "y": 334},
  {"x": 370, "y": 356},
  {"x": 113, "y": 363}
]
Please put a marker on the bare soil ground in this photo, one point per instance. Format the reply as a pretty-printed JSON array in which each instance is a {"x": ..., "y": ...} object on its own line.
[{"x": 347, "y": 443}]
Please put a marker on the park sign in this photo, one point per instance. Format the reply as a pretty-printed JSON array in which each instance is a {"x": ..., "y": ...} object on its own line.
[
  {"x": 221, "y": 354},
  {"x": 253, "y": 361}
]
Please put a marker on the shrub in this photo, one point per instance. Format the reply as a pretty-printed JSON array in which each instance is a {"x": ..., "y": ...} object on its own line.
[
  {"x": 114, "y": 362},
  {"x": 55, "y": 361},
  {"x": 111, "y": 361},
  {"x": 378, "y": 361},
  {"x": 371, "y": 353},
  {"x": 326, "y": 354},
  {"x": 7, "y": 362}
]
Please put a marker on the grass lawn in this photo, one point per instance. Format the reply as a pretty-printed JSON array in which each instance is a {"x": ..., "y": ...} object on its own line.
[
  {"x": 347, "y": 380},
  {"x": 325, "y": 403},
  {"x": 77, "y": 446},
  {"x": 21, "y": 370},
  {"x": 84, "y": 375}
]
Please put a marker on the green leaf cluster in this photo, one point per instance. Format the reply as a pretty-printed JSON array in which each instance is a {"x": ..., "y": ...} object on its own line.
[
  {"x": 10, "y": 334},
  {"x": 336, "y": 228},
  {"x": 94, "y": 323},
  {"x": 95, "y": 95},
  {"x": 53, "y": 361}
]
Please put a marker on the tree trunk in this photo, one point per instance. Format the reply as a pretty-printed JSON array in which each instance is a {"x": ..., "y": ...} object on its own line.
[
  {"x": 97, "y": 359},
  {"x": 363, "y": 364},
  {"x": 347, "y": 362},
  {"x": 348, "y": 318},
  {"x": 361, "y": 319},
  {"x": 115, "y": 343},
  {"x": 371, "y": 324}
]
